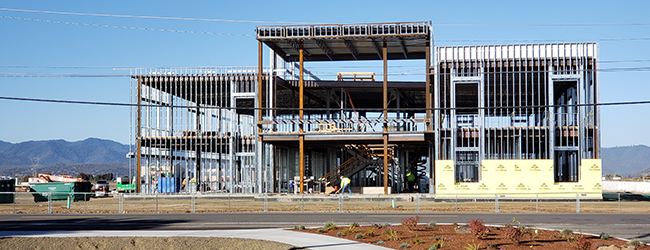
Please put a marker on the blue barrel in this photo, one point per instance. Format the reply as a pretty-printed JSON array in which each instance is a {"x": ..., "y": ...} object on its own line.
[{"x": 167, "y": 185}]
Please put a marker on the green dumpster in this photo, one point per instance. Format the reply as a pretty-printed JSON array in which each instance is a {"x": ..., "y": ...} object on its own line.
[{"x": 60, "y": 191}]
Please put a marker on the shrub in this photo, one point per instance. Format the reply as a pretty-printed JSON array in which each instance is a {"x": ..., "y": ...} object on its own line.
[
  {"x": 416, "y": 240},
  {"x": 386, "y": 224},
  {"x": 513, "y": 234},
  {"x": 300, "y": 227},
  {"x": 381, "y": 242},
  {"x": 472, "y": 246},
  {"x": 320, "y": 230},
  {"x": 580, "y": 242},
  {"x": 430, "y": 225},
  {"x": 604, "y": 236},
  {"x": 354, "y": 224},
  {"x": 478, "y": 228},
  {"x": 340, "y": 234},
  {"x": 411, "y": 222},
  {"x": 566, "y": 231},
  {"x": 370, "y": 232},
  {"x": 634, "y": 242},
  {"x": 358, "y": 236},
  {"x": 349, "y": 229},
  {"x": 391, "y": 234},
  {"x": 404, "y": 245},
  {"x": 439, "y": 244},
  {"x": 330, "y": 225}
]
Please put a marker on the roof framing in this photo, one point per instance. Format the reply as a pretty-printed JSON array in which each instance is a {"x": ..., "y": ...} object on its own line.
[{"x": 337, "y": 42}]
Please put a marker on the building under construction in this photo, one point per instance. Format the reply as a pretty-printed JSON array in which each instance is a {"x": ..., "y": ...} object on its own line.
[{"x": 478, "y": 119}]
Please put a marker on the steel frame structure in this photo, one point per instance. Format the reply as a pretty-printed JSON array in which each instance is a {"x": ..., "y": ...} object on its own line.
[
  {"x": 337, "y": 42},
  {"x": 530, "y": 101},
  {"x": 249, "y": 129},
  {"x": 198, "y": 124}
]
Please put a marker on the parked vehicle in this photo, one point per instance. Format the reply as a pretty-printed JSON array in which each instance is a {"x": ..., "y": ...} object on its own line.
[
  {"x": 124, "y": 185},
  {"x": 101, "y": 188}
]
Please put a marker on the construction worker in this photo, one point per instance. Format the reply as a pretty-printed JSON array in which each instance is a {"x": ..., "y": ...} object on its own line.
[
  {"x": 410, "y": 178},
  {"x": 345, "y": 183}
]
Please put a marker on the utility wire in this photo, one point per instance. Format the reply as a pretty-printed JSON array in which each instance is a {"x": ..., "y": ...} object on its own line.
[
  {"x": 288, "y": 22},
  {"x": 630, "y": 69},
  {"x": 126, "y": 27},
  {"x": 3, "y": 74},
  {"x": 538, "y": 24},
  {"x": 147, "y": 17},
  {"x": 309, "y": 109},
  {"x": 541, "y": 40},
  {"x": 310, "y": 67}
]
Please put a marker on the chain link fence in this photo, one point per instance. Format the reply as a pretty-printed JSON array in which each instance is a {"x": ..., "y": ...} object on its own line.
[{"x": 88, "y": 203}]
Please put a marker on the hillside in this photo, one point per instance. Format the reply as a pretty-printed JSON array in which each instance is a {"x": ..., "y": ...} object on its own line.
[
  {"x": 626, "y": 160},
  {"x": 99, "y": 156},
  {"x": 92, "y": 156}
]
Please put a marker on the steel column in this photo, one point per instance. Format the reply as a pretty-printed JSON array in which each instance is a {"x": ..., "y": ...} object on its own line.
[
  {"x": 385, "y": 90},
  {"x": 428, "y": 91},
  {"x": 138, "y": 135},
  {"x": 302, "y": 135}
]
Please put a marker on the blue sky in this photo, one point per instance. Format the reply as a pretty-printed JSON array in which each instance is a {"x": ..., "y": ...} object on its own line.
[{"x": 32, "y": 46}]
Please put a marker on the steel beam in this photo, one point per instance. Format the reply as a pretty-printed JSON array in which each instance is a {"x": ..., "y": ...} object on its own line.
[
  {"x": 325, "y": 48},
  {"x": 351, "y": 48},
  {"x": 381, "y": 54},
  {"x": 405, "y": 51}
]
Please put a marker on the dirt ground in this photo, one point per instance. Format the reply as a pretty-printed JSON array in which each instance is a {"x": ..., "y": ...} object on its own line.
[
  {"x": 308, "y": 203},
  {"x": 448, "y": 238},
  {"x": 137, "y": 243}
]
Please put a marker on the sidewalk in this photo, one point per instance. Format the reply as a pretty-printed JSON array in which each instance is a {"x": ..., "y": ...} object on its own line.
[{"x": 305, "y": 240}]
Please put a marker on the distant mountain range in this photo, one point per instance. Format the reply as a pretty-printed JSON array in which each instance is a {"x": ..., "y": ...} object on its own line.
[
  {"x": 626, "y": 160},
  {"x": 90, "y": 156},
  {"x": 99, "y": 156}
]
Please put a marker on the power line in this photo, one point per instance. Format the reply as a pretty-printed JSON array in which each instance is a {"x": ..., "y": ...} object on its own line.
[
  {"x": 540, "y": 24},
  {"x": 9, "y": 74},
  {"x": 147, "y": 17},
  {"x": 125, "y": 27},
  {"x": 3, "y": 74},
  {"x": 310, "y": 67},
  {"x": 308, "y": 109},
  {"x": 288, "y": 22},
  {"x": 540, "y": 40},
  {"x": 249, "y": 35}
]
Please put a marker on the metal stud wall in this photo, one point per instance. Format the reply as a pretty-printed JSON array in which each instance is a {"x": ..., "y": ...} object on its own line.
[
  {"x": 532, "y": 101},
  {"x": 197, "y": 125}
]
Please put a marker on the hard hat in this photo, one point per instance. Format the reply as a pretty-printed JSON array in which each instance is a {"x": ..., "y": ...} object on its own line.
[{"x": 341, "y": 176}]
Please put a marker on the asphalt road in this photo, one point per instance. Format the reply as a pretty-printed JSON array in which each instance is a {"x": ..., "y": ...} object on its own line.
[{"x": 616, "y": 225}]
